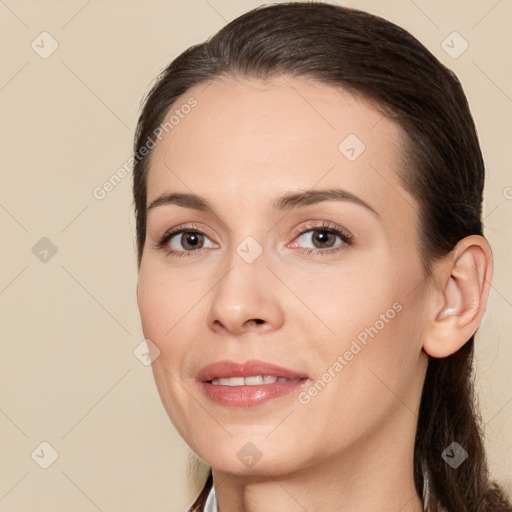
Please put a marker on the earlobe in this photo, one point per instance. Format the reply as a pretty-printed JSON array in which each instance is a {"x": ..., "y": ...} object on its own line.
[{"x": 461, "y": 287}]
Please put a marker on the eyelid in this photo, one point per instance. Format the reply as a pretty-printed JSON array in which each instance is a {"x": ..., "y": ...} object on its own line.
[
  {"x": 324, "y": 226},
  {"x": 164, "y": 239},
  {"x": 343, "y": 234}
]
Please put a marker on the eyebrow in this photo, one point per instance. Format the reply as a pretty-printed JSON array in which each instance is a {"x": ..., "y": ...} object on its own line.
[{"x": 285, "y": 202}]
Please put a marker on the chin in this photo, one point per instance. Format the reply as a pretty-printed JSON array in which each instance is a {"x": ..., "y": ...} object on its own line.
[{"x": 257, "y": 457}]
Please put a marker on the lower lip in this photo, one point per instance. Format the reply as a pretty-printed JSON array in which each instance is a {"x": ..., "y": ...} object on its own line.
[{"x": 249, "y": 396}]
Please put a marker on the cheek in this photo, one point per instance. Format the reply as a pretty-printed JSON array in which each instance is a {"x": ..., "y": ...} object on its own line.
[
  {"x": 160, "y": 310},
  {"x": 370, "y": 342},
  {"x": 366, "y": 299},
  {"x": 152, "y": 302},
  {"x": 359, "y": 384},
  {"x": 343, "y": 302},
  {"x": 162, "y": 299},
  {"x": 172, "y": 306},
  {"x": 163, "y": 307}
]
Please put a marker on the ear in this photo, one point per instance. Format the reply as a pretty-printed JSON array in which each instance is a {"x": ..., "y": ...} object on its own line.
[{"x": 461, "y": 282}]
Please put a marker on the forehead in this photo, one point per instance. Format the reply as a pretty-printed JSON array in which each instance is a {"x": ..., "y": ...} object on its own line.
[{"x": 245, "y": 139}]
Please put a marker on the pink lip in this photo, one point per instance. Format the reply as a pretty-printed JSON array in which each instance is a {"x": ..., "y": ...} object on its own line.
[
  {"x": 247, "y": 396},
  {"x": 227, "y": 369}
]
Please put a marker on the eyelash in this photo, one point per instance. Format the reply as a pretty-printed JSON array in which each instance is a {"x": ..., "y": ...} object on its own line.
[{"x": 325, "y": 227}]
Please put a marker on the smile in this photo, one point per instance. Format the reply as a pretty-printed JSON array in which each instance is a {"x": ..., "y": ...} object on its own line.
[
  {"x": 254, "y": 380},
  {"x": 248, "y": 384}
]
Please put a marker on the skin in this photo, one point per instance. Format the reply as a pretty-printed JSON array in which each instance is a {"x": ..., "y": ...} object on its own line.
[{"x": 246, "y": 143}]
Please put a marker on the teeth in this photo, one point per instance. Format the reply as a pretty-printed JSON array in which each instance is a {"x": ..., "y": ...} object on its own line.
[{"x": 253, "y": 380}]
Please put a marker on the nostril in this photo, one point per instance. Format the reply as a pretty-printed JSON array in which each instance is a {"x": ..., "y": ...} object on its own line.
[{"x": 259, "y": 321}]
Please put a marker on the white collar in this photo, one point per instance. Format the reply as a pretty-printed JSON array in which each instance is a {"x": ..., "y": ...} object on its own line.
[{"x": 211, "y": 502}]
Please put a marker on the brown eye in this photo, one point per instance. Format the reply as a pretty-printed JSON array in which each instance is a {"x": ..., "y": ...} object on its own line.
[
  {"x": 190, "y": 240},
  {"x": 185, "y": 242},
  {"x": 320, "y": 239},
  {"x": 323, "y": 239}
]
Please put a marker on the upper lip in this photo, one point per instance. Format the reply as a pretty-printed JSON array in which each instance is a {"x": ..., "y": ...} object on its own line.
[{"x": 227, "y": 369}]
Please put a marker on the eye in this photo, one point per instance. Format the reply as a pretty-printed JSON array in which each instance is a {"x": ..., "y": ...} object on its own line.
[
  {"x": 189, "y": 240},
  {"x": 185, "y": 240},
  {"x": 315, "y": 239},
  {"x": 322, "y": 239}
]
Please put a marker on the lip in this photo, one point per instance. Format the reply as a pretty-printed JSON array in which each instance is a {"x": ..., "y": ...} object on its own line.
[
  {"x": 227, "y": 369},
  {"x": 248, "y": 396}
]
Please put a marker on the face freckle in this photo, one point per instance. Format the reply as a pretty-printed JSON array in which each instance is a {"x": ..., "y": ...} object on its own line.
[{"x": 345, "y": 316}]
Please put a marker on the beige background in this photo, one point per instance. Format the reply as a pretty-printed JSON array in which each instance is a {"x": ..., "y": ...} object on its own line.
[{"x": 70, "y": 324}]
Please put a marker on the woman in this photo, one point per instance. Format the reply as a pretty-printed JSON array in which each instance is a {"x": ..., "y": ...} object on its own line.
[{"x": 312, "y": 267}]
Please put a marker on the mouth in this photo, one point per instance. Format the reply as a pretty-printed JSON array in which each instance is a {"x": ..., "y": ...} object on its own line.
[
  {"x": 253, "y": 380},
  {"x": 248, "y": 384}
]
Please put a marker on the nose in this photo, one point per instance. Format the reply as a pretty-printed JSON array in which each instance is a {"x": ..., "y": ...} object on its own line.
[{"x": 246, "y": 299}]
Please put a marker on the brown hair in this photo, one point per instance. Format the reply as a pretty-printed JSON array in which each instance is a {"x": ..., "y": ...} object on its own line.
[{"x": 372, "y": 57}]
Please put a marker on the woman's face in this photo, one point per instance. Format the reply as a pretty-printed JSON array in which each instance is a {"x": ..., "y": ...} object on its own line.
[{"x": 296, "y": 257}]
